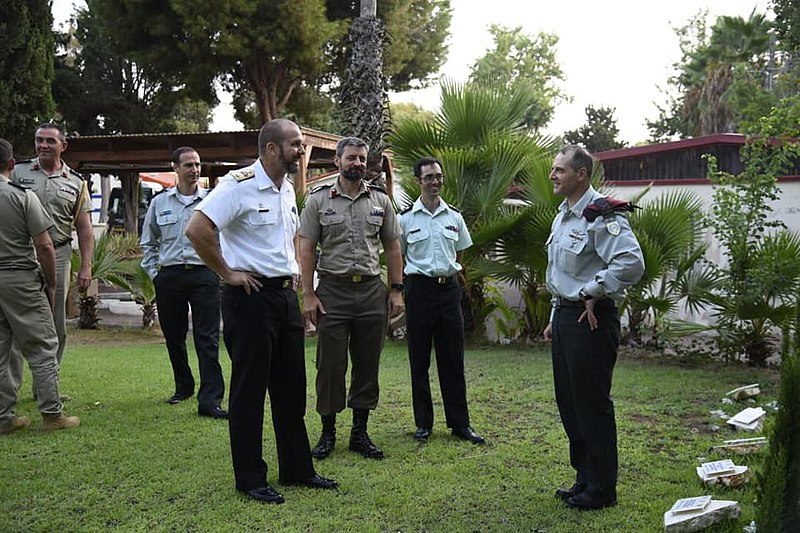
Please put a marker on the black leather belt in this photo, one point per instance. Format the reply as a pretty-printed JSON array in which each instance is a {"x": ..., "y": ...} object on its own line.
[
  {"x": 353, "y": 278},
  {"x": 283, "y": 282},
  {"x": 440, "y": 280},
  {"x": 185, "y": 266},
  {"x": 604, "y": 302}
]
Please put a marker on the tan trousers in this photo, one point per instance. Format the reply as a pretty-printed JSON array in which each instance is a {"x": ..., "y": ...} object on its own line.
[
  {"x": 25, "y": 316},
  {"x": 63, "y": 257}
]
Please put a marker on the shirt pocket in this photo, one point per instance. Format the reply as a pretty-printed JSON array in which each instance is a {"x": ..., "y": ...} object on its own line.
[
  {"x": 259, "y": 218},
  {"x": 330, "y": 220},
  {"x": 168, "y": 225},
  {"x": 419, "y": 236},
  {"x": 571, "y": 251},
  {"x": 374, "y": 224}
]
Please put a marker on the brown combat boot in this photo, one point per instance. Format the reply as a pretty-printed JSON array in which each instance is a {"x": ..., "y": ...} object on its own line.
[
  {"x": 13, "y": 424},
  {"x": 59, "y": 421}
]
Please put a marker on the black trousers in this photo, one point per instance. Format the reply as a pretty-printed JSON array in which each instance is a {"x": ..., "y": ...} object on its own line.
[
  {"x": 433, "y": 317},
  {"x": 176, "y": 290},
  {"x": 264, "y": 336},
  {"x": 583, "y": 364}
]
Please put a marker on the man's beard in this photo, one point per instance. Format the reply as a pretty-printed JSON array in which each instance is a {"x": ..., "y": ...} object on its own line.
[
  {"x": 290, "y": 166},
  {"x": 354, "y": 174}
]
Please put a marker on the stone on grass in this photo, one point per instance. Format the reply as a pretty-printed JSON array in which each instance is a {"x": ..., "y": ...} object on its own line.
[{"x": 714, "y": 512}]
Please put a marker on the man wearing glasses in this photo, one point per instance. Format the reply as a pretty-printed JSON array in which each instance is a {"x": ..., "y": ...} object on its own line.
[{"x": 432, "y": 239}]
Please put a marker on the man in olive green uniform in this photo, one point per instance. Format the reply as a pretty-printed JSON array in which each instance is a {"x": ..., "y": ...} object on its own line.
[
  {"x": 350, "y": 220},
  {"x": 25, "y": 299},
  {"x": 66, "y": 198}
]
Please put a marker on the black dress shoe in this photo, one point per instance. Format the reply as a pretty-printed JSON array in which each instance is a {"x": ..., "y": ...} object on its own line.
[
  {"x": 422, "y": 434},
  {"x": 467, "y": 433},
  {"x": 574, "y": 490},
  {"x": 265, "y": 494},
  {"x": 314, "y": 482},
  {"x": 178, "y": 398},
  {"x": 213, "y": 412},
  {"x": 586, "y": 502}
]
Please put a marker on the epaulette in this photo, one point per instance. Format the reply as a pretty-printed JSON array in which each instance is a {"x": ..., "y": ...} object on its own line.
[
  {"x": 243, "y": 175},
  {"x": 407, "y": 209},
  {"x": 607, "y": 207},
  {"x": 321, "y": 187},
  {"x": 454, "y": 208},
  {"x": 377, "y": 188},
  {"x": 76, "y": 174},
  {"x": 17, "y": 185},
  {"x": 24, "y": 161}
]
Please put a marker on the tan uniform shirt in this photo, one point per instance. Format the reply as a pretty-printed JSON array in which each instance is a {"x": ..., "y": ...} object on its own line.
[
  {"x": 21, "y": 217},
  {"x": 349, "y": 230},
  {"x": 62, "y": 195}
]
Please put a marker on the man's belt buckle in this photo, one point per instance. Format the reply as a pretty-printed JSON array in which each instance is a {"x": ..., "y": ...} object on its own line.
[
  {"x": 286, "y": 284},
  {"x": 357, "y": 278},
  {"x": 441, "y": 280}
]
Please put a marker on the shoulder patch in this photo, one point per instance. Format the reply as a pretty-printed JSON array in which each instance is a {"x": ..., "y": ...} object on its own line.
[
  {"x": 242, "y": 175},
  {"x": 321, "y": 188},
  {"x": 407, "y": 209}
]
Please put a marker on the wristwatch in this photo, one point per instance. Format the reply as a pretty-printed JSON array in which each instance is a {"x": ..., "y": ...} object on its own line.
[
  {"x": 585, "y": 295},
  {"x": 397, "y": 287}
]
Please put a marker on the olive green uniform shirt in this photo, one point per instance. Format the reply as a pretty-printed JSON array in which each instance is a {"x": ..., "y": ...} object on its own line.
[
  {"x": 21, "y": 217},
  {"x": 62, "y": 195},
  {"x": 349, "y": 230}
]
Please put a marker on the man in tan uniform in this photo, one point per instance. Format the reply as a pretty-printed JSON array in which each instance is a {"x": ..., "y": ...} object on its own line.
[
  {"x": 350, "y": 220},
  {"x": 66, "y": 198},
  {"x": 25, "y": 300}
]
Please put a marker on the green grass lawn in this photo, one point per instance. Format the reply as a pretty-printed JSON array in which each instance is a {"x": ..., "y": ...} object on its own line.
[{"x": 138, "y": 464}]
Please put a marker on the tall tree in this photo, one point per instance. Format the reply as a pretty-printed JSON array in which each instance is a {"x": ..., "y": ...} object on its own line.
[
  {"x": 600, "y": 131},
  {"x": 701, "y": 88},
  {"x": 364, "y": 98},
  {"x": 787, "y": 23},
  {"x": 264, "y": 51},
  {"x": 518, "y": 58},
  {"x": 99, "y": 91},
  {"x": 26, "y": 70}
]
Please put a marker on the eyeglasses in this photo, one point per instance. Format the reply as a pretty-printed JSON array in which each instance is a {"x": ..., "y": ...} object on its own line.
[{"x": 430, "y": 178}]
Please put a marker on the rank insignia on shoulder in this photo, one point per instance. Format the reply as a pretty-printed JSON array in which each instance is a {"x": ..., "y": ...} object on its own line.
[
  {"x": 242, "y": 175},
  {"x": 320, "y": 188},
  {"x": 17, "y": 185},
  {"x": 407, "y": 209},
  {"x": 76, "y": 174},
  {"x": 376, "y": 187},
  {"x": 607, "y": 207},
  {"x": 613, "y": 227}
]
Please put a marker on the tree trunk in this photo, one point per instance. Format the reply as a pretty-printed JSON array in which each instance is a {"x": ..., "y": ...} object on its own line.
[
  {"x": 369, "y": 8},
  {"x": 130, "y": 192}
]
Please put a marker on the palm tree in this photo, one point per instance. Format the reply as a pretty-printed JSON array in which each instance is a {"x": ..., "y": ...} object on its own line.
[
  {"x": 107, "y": 264},
  {"x": 670, "y": 232},
  {"x": 480, "y": 137},
  {"x": 364, "y": 98},
  {"x": 142, "y": 290}
]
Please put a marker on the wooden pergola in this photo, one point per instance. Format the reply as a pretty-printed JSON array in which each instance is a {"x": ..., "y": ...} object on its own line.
[
  {"x": 125, "y": 156},
  {"x": 220, "y": 152}
]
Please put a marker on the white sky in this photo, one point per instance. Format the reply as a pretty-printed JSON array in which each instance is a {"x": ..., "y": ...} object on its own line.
[{"x": 614, "y": 53}]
